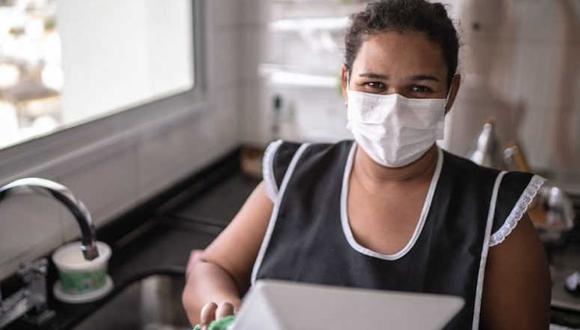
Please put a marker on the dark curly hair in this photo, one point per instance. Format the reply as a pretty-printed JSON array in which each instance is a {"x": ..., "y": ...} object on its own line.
[{"x": 404, "y": 15}]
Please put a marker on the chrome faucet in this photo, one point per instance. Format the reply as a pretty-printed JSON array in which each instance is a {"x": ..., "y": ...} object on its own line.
[
  {"x": 65, "y": 196},
  {"x": 33, "y": 296}
]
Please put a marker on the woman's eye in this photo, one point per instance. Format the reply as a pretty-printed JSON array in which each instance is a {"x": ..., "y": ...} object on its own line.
[
  {"x": 375, "y": 85},
  {"x": 421, "y": 89}
]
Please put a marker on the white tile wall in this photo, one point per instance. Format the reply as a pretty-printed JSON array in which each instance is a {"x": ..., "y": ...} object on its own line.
[
  {"x": 531, "y": 78},
  {"x": 224, "y": 49},
  {"x": 111, "y": 180},
  {"x": 252, "y": 38},
  {"x": 115, "y": 178},
  {"x": 223, "y": 116},
  {"x": 540, "y": 20},
  {"x": 224, "y": 13},
  {"x": 160, "y": 157},
  {"x": 255, "y": 120},
  {"x": 252, "y": 35},
  {"x": 254, "y": 12}
]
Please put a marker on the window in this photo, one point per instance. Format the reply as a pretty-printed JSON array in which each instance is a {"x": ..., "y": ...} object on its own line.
[{"x": 64, "y": 62}]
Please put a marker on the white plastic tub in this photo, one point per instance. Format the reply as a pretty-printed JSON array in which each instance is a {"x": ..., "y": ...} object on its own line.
[{"x": 81, "y": 280}]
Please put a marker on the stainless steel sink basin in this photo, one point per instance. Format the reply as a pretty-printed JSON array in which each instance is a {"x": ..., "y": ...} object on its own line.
[{"x": 152, "y": 302}]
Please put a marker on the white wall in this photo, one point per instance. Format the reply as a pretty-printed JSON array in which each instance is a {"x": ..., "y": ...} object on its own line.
[
  {"x": 520, "y": 66},
  {"x": 253, "y": 37},
  {"x": 113, "y": 175}
]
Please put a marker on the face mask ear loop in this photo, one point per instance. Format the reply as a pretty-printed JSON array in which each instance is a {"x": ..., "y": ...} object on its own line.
[
  {"x": 447, "y": 99},
  {"x": 347, "y": 87}
]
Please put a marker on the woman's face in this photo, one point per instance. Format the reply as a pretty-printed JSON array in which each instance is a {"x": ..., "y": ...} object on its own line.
[{"x": 406, "y": 63}]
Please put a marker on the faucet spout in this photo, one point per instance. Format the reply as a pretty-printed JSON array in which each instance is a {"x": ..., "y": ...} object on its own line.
[{"x": 65, "y": 196}]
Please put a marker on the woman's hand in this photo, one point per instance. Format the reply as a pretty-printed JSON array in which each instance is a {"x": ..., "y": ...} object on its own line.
[{"x": 211, "y": 312}]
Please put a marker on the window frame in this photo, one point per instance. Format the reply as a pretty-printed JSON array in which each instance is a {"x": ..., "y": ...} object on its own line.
[{"x": 34, "y": 155}]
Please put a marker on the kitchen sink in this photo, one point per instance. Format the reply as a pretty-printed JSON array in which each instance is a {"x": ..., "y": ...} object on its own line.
[{"x": 151, "y": 302}]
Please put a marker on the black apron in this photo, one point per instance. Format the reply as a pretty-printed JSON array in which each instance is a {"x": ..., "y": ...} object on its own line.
[{"x": 309, "y": 239}]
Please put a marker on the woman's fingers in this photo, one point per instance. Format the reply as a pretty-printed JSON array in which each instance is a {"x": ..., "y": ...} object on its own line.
[
  {"x": 211, "y": 312},
  {"x": 207, "y": 314},
  {"x": 225, "y": 309}
]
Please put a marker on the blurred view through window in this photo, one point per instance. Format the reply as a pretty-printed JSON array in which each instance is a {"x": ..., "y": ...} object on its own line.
[{"x": 63, "y": 62}]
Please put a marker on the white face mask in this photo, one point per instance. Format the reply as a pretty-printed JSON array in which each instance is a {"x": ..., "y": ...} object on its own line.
[{"x": 392, "y": 129}]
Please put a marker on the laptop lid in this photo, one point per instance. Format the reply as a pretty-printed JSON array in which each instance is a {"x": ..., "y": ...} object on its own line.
[{"x": 281, "y": 305}]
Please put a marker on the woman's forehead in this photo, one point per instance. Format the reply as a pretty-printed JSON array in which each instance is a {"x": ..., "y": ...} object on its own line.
[{"x": 400, "y": 54}]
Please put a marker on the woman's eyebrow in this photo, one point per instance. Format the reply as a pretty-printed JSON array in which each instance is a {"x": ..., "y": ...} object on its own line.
[
  {"x": 374, "y": 75},
  {"x": 423, "y": 77},
  {"x": 386, "y": 77}
]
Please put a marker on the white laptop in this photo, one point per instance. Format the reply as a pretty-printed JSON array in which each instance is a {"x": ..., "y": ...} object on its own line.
[{"x": 280, "y": 305}]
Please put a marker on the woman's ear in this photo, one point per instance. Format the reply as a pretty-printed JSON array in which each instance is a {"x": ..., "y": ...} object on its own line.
[
  {"x": 453, "y": 89},
  {"x": 344, "y": 83}
]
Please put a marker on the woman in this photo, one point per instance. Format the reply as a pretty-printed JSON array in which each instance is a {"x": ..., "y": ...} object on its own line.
[{"x": 390, "y": 210}]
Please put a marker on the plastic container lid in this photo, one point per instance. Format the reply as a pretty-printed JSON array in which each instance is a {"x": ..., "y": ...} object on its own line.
[{"x": 69, "y": 257}]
